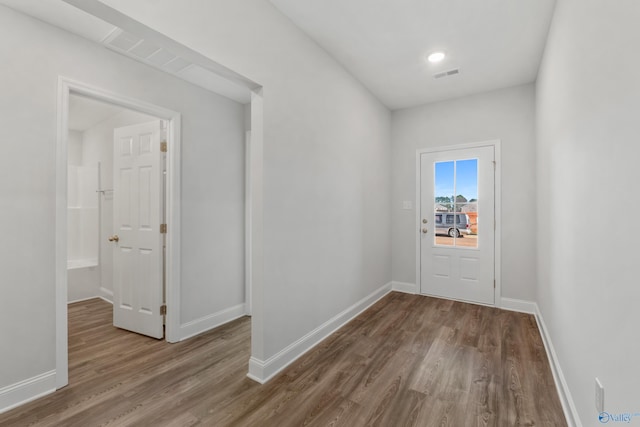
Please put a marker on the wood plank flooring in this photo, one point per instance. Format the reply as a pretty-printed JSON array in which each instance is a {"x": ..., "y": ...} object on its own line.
[{"x": 407, "y": 361}]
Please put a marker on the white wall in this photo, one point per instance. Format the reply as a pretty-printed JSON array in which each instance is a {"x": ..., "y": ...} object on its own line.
[
  {"x": 507, "y": 115},
  {"x": 326, "y": 160},
  {"x": 74, "y": 148},
  {"x": 587, "y": 129},
  {"x": 212, "y": 183},
  {"x": 97, "y": 143}
]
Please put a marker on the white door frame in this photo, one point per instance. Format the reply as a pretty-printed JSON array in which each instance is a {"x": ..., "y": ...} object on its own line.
[
  {"x": 498, "y": 203},
  {"x": 247, "y": 223},
  {"x": 67, "y": 87}
]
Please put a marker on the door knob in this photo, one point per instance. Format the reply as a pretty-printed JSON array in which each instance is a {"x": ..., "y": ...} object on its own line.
[
  {"x": 114, "y": 238},
  {"x": 424, "y": 230}
]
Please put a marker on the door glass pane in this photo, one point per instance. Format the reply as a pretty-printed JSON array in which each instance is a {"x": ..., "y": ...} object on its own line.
[
  {"x": 456, "y": 203},
  {"x": 467, "y": 202},
  {"x": 444, "y": 202}
]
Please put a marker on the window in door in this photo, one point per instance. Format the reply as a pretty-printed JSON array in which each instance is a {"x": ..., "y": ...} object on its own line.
[{"x": 456, "y": 199}]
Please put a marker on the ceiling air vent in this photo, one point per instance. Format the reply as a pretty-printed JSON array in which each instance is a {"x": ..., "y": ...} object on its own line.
[
  {"x": 121, "y": 40},
  {"x": 447, "y": 73},
  {"x": 145, "y": 51}
]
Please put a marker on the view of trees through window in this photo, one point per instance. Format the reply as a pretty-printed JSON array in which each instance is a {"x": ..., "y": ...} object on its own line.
[{"x": 448, "y": 203}]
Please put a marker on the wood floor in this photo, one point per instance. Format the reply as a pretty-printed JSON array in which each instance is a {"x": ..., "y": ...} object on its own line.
[{"x": 407, "y": 361}]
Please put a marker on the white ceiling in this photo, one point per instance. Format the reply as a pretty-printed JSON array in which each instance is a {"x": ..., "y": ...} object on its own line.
[
  {"x": 494, "y": 43},
  {"x": 85, "y": 113}
]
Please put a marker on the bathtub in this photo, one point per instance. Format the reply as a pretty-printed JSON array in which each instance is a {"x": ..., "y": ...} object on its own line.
[
  {"x": 74, "y": 264},
  {"x": 83, "y": 279}
]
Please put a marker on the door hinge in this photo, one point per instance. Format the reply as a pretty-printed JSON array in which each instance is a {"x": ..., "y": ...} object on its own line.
[
  {"x": 163, "y": 146},
  {"x": 494, "y": 283},
  {"x": 163, "y": 310},
  {"x": 163, "y": 228},
  {"x": 494, "y": 165}
]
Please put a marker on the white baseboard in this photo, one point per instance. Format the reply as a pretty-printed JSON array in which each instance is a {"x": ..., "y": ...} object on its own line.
[
  {"x": 82, "y": 299},
  {"x": 262, "y": 371},
  {"x": 407, "y": 288},
  {"x": 25, "y": 391},
  {"x": 106, "y": 295},
  {"x": 257, "y": 369},
  {"x": 106, "y": 300},
  {"x": 211, "y": 321},
  {"x": 569, "y": 408},
  {"x": 518, "y": 305}
]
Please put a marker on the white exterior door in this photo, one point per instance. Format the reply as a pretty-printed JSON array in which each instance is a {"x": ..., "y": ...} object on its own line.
[
  {"x": 457, "y": 224},
  {"x": 138, "y": 243}
]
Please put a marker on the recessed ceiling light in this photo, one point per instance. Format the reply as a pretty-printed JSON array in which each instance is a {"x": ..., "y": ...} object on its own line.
[{"x": 435, "y": 57}]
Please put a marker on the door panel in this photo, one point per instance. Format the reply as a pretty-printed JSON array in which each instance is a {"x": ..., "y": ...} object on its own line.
[
  {"x": 457, "y": 213},
  {"x": 137, "y": 260}
]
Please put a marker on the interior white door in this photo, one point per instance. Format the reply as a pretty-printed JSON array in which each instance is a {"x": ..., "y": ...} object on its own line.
[
  {"x": 138, "y": 243},
  {"x": 457, "y": 224}
]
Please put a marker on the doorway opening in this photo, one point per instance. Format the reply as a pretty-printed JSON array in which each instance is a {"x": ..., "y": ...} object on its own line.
[
  {"x": 116, "y": 208},
  {"x": 86, "y": 194}
]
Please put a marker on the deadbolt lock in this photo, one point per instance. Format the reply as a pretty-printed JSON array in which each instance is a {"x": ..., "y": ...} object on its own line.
[{"x": 424, "y": 221}]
